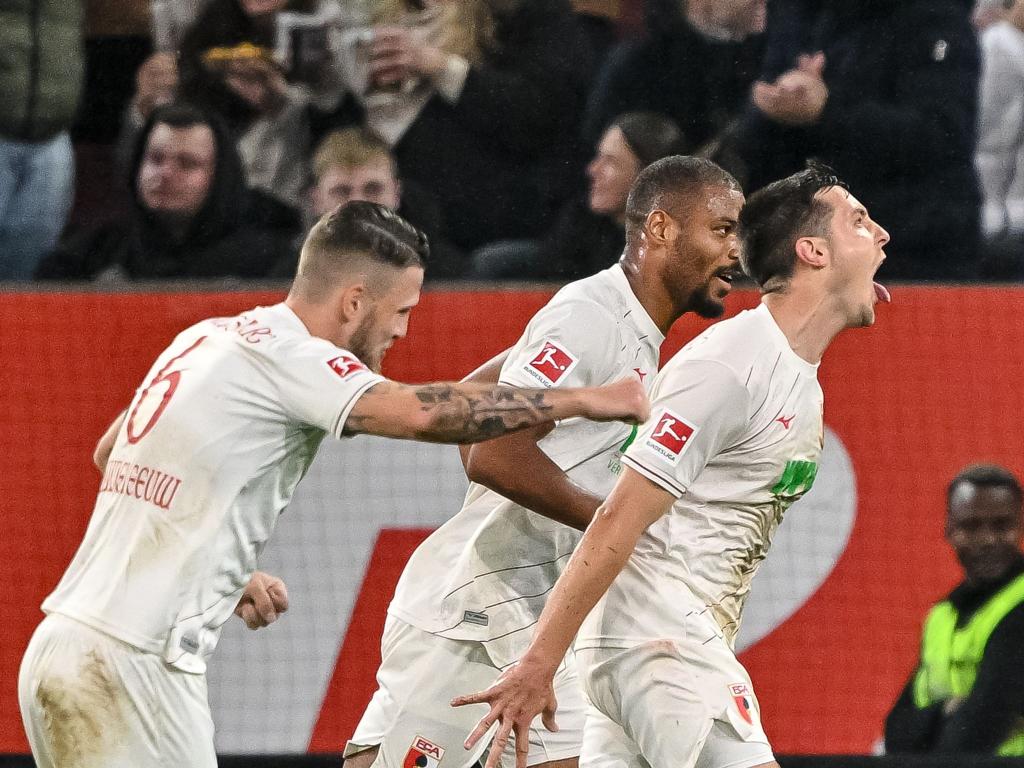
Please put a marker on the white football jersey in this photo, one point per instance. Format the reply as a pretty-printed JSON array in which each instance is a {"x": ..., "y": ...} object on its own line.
[
  {"x": 485, "y": 574},
  {"x": 735, "y": 435},
  {"x": 222, "y": 429}
]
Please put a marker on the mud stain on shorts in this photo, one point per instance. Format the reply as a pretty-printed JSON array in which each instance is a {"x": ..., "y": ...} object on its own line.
[{"x": 82, "y": 715}]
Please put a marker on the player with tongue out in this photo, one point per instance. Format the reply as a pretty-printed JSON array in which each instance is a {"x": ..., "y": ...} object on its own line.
[{"x": 654, "y": 591}]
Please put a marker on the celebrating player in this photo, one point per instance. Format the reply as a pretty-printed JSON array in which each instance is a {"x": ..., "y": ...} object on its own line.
[
  {"x": 734, "y": 438},
  {"x": 209, "y": 452},
  {"x": 471, "y": 593}
]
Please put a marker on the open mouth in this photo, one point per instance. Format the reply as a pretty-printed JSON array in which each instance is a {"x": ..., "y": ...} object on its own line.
[{"x": 727, "y": 276}]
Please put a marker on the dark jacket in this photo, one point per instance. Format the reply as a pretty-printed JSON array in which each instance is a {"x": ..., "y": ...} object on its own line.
[
  {"x": 702, "y": 84},
  {"x": 222, "y": 23},
  {"x": 996, "y": 702},
  {"x": 41, "y": 67},
  {"x": 229, "y": 236},
  {"x": 899, "y": 127},
  {"x": 580, "y": 243},
  {"x": 504, "y": 157}
]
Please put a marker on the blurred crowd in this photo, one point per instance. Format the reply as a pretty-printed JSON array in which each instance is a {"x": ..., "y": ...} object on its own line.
[{"x": 150, "y": 139}]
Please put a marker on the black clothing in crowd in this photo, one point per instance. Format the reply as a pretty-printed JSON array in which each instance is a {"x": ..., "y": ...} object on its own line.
[
  {"x": 981, "y": 723},
  {"x": 899, "y": 124},
  {"x": 236, "y": 233}
]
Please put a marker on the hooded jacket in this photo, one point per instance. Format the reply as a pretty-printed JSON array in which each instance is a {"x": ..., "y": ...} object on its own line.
[
  {"x": 222, "y": 240},
  {"x": 899, "y": 126}
]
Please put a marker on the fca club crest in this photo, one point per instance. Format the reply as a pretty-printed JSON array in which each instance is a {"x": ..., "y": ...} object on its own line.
[
  {"x": 423, "y": 754},
  {"x": 744, "y": 700}
]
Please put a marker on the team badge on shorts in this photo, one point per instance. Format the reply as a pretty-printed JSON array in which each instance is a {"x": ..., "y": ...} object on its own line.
[
  {"x": 744, "y": 700},
  {"x": 423, "y": 754},
  {"x": 551, "y": 364},
  {"x": 345, "y": 365},
  {"x": 670, "y": 436}
]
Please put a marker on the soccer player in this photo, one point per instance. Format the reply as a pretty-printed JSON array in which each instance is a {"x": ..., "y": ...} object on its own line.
[
  {"x": 469, "y": 597},
  {"x": 212, "y": 446},
  {"x": 734, "y": 439}
]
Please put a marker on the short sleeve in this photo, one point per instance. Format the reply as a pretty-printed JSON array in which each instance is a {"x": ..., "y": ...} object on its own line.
[
  {"x": 572, "y": 344},
  {"x": 699, "y": 409},
  {"x": 319, "y": 383}
]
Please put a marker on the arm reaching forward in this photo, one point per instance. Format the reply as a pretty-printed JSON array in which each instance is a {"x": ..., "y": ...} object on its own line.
[
  {"x": 468, "y": 413},
  {"x": 487, "y": 373},
  {"x": 523, "y": 691},
  {"x": 518, "y": 469}
]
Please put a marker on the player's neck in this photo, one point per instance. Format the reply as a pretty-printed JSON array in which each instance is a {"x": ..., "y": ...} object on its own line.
[
  {"x": 651, "y": 293},
  {"x": 808, "y": 320},
  {"x": 318, "y": 321}
]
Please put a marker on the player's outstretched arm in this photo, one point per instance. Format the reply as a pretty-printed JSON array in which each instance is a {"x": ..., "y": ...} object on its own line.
[
  {"x": 468, "y": 413},
  {"x": 518, "y": 469},
  {"x": 106, "y": 444},
  {"x": 524, "y": 690},
  {"x": 487, "y": 373}
]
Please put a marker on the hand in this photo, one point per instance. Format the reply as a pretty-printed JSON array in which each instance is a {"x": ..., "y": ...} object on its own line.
[
  {"x": 798, "y": 96},
  {"x": 625, "y": 400},
  {"x": 396, "y": 56},
  {"x": 258, "y": 82},
  {"x": 155, "y": 82},
  {"x": 516, "y": 698},
  {"x": 263, "y": 601}
]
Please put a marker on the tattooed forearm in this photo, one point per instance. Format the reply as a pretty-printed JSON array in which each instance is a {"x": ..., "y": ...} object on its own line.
[{"x": 455, "y": 415}]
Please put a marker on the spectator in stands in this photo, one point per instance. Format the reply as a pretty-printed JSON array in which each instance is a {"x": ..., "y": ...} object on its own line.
[
  {"x": 589, "y": 233},
  {"x": 988, "y": 12},
  {"x": 228, "y": 67},
  {"x": 887, "y": 95},
  {"x": 41, "y": 70},
  {"x": 480, "y": 101},
  {"x": 353, "y": 164},
  {"x": 696, "y": 66},
  {"x": 967, "y": 694},
  {"x": 193, "y": 216},
  {"x": 1000, "y": 156}
]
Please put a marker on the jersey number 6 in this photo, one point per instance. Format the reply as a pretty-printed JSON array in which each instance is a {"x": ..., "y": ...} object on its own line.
[{"x": 171, "y": 378}]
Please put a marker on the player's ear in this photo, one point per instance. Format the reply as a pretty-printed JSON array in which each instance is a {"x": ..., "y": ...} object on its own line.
[
  {"x": 351, "y": 302},
  {"x": 813, "y": 251},
  {"x": 658, "y": 226}
]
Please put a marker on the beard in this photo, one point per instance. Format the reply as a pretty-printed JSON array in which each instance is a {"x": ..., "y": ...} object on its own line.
[
  {"x": 704, "y": 304},
  {"x": 360, "y": 344}
]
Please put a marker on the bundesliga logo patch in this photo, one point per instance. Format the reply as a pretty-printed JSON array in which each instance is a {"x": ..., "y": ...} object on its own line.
[
  {"x": 551, "y": 364},
  {"x": 345, "y": 365},
  {"x": 744, "y": 701},
  {"x": 670, "y": 436},
  {"x": 423, "y": 754}
]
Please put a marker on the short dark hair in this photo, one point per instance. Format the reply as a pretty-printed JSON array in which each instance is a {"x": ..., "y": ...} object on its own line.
[
  {"x": 649, "y": 135},
  {"x": 666, "y": 182},
  {"x": 986, "y": 476},
  {"x": 778, "y": 215},
  {"x": 359, "y": 230}
]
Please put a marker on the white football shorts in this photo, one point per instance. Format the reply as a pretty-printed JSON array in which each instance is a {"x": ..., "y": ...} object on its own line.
[
  {"x": 671, "y": 704},
  {"x": 89, "y": 699},
  {"x": 409, "y": 716}
]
